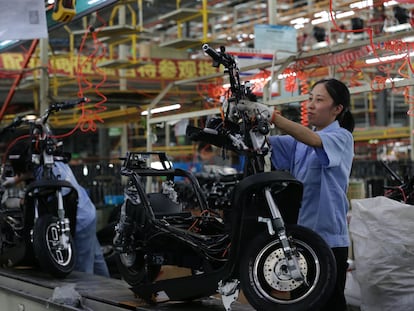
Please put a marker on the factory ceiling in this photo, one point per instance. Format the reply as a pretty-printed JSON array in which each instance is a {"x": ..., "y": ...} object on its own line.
[{"x": 125, "y": 55}]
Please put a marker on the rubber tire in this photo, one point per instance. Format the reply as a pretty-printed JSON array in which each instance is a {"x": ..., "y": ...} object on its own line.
[
  {"x": 316, "y": 256},
  {"x": 137, "y": 272},
  {"x": 44, "y": 232}
]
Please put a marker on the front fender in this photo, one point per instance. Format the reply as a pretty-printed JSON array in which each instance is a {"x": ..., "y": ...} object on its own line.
[{"x": 286, "y": 190}]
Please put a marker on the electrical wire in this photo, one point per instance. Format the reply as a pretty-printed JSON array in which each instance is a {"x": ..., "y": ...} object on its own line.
[{"x": 89, "y": 117}]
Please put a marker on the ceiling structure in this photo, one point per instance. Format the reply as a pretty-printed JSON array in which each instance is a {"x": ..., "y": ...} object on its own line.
[
  {"x": 137, "y": 27},
  {"x": 115, "y": 49}
]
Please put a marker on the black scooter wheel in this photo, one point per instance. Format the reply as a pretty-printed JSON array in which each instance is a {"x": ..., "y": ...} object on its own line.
[
  {"x": 267, "y": 283},
  {"x": 134, "y": 269},
  {"x": 52, "y": 257}
]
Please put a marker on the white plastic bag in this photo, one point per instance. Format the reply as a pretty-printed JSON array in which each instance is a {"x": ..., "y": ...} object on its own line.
[{"x": 382, "y": 231}]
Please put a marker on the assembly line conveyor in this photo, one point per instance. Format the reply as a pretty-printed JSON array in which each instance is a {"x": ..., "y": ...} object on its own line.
[{"x": 26, "y": 289}]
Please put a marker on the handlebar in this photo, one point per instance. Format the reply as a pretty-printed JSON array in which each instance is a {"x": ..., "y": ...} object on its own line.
[
  {"x": 54, "y": 107},
  {"x": 223, "y": 58},
  {"x": 236, "y": 130},
  {"x": 220, "y": 138},
  {"x": 68, "y": 104}
]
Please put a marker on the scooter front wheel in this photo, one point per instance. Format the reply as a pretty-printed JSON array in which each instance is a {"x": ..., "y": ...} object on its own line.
[
  {"x": 267, "y": 282},
  {"x": 55, "y": 253}
]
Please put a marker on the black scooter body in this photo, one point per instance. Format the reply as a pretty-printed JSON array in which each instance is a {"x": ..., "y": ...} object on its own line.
[{"x": 246, "y": 208}]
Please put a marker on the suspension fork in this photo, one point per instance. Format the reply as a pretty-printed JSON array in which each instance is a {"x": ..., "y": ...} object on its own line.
[
  {"x": 63, "y": 222},
  {"x": 276, "y": 225}
]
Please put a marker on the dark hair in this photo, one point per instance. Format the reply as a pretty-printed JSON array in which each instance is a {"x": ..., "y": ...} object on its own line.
[{"x": 341, "y": 96}]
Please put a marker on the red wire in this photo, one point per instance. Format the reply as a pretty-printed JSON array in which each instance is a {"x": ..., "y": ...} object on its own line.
[
  {"x": 88, "y": 118},
  {"x": 339, "y": 29}
]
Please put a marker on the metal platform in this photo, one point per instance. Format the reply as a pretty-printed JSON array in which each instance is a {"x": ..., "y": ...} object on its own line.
[{"x": 28, "y": 289}]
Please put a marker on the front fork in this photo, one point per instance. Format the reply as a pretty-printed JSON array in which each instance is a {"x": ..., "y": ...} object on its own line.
[
  {"x": 276, "y": 225},
  {"x": 63, "y": 222},
  {"x": 123, "y": 230}
]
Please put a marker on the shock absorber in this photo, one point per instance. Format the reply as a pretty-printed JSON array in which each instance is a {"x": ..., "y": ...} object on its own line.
[
  {"x": 62, "y": 221},
  {"x": 276, "y": 225}
]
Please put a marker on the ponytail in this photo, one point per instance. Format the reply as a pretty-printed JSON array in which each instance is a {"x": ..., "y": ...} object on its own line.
[{"x": 346, "y": 120}]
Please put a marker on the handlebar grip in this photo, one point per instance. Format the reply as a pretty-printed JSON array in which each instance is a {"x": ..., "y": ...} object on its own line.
[
  {"x": 68, "y": 104},
  {"x": 219, "y": 58},
  {"x": 212, "y": 53},
  {"x": 15, "y": 123}
]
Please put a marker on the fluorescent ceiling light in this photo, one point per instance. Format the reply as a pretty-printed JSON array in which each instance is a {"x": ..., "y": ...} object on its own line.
[
  {"x": 320, "y": 20},
  {"x": 299, "y": 20},
  {"x": 324, "y": 16},
  {"x": 408, "y": 39},
  {"x": 399, "y": 27},
  {"x": 299, "y": 26},
  {"x": 162, "y": 109},
  {"x": 7, "y": 42},
  {"x": 387, "y": 58},
  {"x": 30, "y": 117},
  {"x": 93, "y": 2},
  {"x": 321, "y": 14},
  {"x": 390, "y": 3},
  {"x": 344, "y": 14},
  {"x": 361, "y": 4}
]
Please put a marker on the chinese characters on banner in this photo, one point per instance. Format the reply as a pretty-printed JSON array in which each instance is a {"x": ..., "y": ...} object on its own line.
[{"x": 156, "y": 69}]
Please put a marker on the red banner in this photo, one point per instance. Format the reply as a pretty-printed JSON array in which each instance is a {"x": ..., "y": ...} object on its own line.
[{"x": 154, "y": 69}]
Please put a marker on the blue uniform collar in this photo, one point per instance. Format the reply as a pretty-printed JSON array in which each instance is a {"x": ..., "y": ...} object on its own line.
[{"x": 334, "y": 125}]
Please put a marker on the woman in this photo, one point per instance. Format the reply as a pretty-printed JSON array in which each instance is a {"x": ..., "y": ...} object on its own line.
[{"x": 321, "y": 158}]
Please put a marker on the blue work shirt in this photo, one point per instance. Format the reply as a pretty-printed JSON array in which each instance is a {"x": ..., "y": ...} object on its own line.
[
  {"x": 86, "y": 212},
  {"x": 324, "y": 173}
]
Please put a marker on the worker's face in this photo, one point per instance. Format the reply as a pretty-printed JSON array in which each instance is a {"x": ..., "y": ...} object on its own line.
[{"x": 321, "y": 108}]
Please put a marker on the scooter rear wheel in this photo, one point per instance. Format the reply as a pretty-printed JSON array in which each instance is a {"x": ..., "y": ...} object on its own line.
[{"x": 267, "y": 283}]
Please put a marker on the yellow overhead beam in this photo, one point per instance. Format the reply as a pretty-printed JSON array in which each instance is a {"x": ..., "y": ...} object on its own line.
[
  {"x": 119, "y": 116},
  {"x": 381, "y": 133}
]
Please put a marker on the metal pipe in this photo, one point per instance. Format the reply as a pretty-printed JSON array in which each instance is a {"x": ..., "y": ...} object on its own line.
[{"x": 17, "y": 80}]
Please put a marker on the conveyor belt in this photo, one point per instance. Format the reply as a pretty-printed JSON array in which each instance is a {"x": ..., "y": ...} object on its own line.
[{"x": 28, "y": 289}]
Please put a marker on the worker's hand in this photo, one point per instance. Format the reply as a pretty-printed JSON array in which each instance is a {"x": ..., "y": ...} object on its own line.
[
  {"x": 8, "y": 182},
  {"x": 256, "y": 110}
]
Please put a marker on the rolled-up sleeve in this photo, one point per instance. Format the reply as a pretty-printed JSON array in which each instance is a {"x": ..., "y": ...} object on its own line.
[{"x": 334, "y": 144}]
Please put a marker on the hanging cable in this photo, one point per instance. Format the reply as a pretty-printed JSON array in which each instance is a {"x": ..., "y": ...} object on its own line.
[{"x": 89, "y": 117}]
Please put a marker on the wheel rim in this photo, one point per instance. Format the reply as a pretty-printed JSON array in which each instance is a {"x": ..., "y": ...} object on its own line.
[
  {"x": 273, "y": 280},
  {"x": 61, "y": 255},
  {"x": 276, "y": 273}
]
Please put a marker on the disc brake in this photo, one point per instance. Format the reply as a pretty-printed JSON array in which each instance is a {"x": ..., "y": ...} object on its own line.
[{"x": 277, "y": 226}]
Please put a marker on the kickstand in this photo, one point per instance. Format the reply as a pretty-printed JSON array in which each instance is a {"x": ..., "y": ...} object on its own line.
[{"x": 229, "y": 293}]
